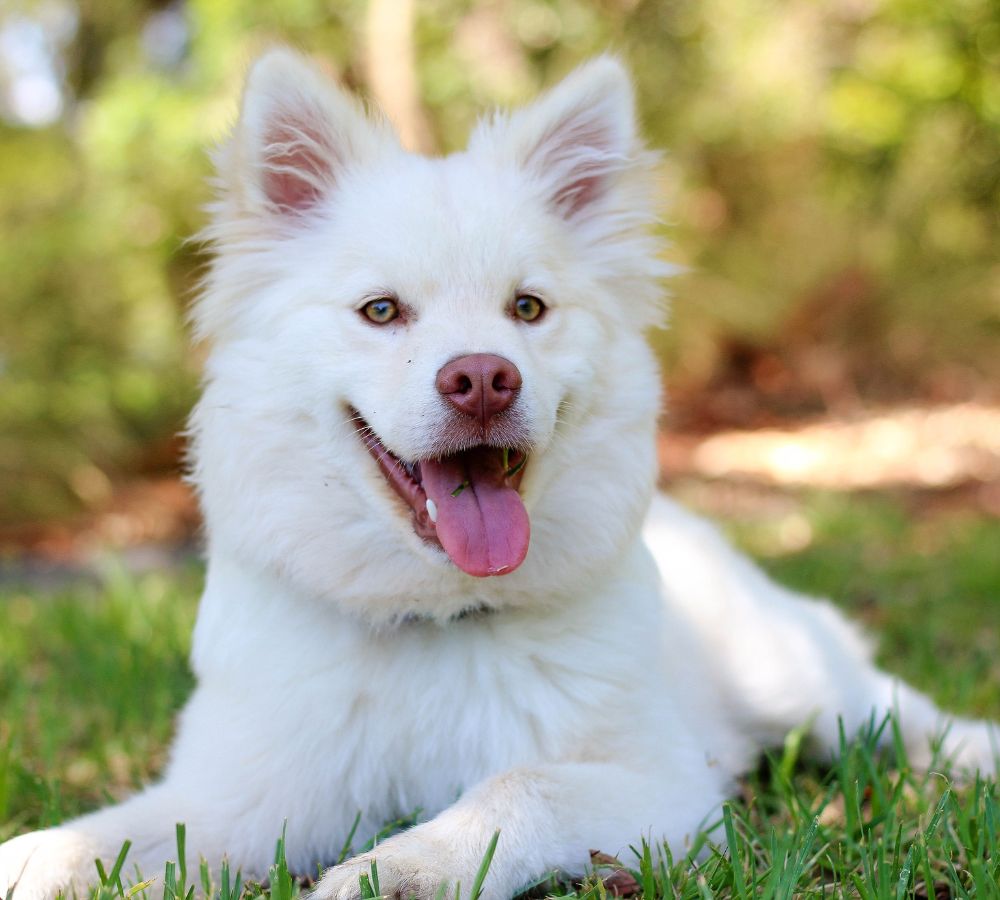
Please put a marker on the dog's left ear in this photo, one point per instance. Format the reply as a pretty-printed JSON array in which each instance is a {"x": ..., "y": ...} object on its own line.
[{"x": 574, "y": 140}]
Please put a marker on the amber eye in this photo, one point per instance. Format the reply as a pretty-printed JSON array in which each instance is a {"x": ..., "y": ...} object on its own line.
[
  {"x": 381, "y": 311},
  {"x": 528, "y": 308}
]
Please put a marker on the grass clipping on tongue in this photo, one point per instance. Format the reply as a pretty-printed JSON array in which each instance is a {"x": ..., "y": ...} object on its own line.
[{"x": 509, "y": 470}]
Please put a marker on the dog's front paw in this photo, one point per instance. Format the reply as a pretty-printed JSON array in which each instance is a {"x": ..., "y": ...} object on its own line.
[
  {"x": 39, "y": 865},
  {"x": 405, "y": 866}
]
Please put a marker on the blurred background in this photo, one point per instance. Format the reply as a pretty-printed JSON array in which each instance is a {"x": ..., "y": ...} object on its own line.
[{"x": 830, "y": 184}]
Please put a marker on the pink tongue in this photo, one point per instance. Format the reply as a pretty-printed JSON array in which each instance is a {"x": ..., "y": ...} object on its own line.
[{"x": 484, "y": 526}]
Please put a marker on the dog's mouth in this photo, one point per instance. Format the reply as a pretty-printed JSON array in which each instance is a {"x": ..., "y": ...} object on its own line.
[{"x": 466, "y": 502}]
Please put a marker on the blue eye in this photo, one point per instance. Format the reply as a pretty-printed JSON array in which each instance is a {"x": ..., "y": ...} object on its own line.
[
  {"x": 528, "y": 308},
  {"x": 381, "y": 311}
]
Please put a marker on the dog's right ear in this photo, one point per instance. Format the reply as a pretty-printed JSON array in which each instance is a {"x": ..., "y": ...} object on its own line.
[{"x": 296, "y": 134}]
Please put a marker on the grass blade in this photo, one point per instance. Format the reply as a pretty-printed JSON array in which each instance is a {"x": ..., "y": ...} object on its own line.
[{"x": 484, "y": 866}]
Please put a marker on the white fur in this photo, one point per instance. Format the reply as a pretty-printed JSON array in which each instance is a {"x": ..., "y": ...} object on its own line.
[{"x": 616, "y": 684}]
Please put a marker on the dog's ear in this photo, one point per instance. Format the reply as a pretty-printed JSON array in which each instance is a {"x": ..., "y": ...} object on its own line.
[
  {"x": 576, "y": 138},
  {"x": 296, "y": 133}
]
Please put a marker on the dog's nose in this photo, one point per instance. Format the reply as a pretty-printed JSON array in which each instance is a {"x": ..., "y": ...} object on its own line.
[{"x": 479, "y": 385}]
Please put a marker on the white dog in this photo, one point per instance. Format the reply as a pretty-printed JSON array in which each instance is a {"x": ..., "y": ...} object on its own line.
[{"x": 428, "y": 373}]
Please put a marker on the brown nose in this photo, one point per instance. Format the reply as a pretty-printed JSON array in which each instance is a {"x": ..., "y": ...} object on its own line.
[{"x": 480, "y": 385}]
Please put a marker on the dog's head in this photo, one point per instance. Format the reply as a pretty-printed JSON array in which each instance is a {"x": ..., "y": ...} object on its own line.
[{"x": 427, "y": 371}]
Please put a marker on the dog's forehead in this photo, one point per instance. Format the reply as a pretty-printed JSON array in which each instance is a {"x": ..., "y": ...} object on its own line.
[{"x": 449, "y": 218}]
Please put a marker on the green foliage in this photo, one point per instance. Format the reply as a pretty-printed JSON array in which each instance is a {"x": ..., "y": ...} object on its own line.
[
  {"x": 832, "y": 171},
  {"x": 89, "y": 680}
]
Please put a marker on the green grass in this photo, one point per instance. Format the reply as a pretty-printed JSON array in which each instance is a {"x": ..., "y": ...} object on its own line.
[{"x": 90, "y": 678}]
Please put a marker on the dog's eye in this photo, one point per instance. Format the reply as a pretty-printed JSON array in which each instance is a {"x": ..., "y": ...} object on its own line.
[
  {"x": 528, "y": 308},
  {"x": 381, "y": 311}
]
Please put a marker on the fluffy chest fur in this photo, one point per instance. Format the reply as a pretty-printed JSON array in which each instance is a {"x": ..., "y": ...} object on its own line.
[{"x": 407, "y": 718}]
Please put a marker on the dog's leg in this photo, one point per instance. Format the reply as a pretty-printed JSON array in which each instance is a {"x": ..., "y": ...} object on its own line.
[
  {"x": 42, "y": 863},
  {"x": 228, "y": 794},
  {"x": 549, "y": 817},
  {"x": 782, "y": 660}
]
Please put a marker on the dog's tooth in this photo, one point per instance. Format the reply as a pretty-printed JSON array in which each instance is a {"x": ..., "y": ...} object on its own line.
[{"x": 432, "y": 510}]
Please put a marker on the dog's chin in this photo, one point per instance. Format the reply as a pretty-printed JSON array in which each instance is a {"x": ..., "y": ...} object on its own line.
[{"x": 464, "y": 495}]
